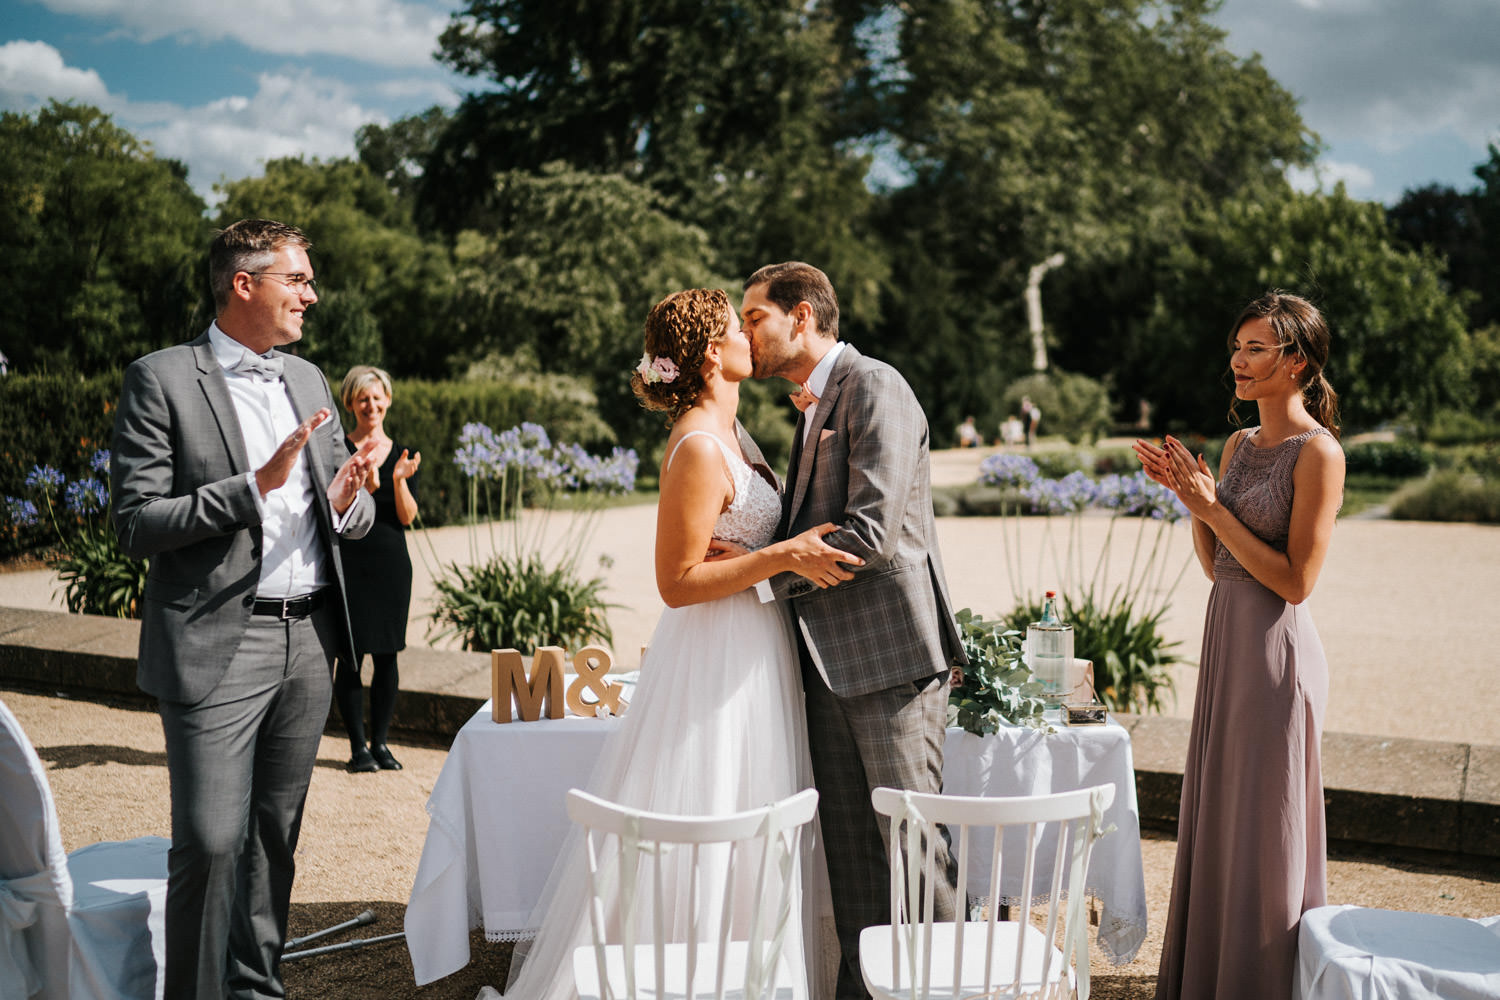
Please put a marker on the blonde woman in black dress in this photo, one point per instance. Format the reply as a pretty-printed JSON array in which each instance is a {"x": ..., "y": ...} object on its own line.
[
  {"x": 1251, "y": 843},
  {"x": 377, "y": 571}
]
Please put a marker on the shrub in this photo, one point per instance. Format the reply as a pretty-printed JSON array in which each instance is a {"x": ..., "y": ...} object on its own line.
[
  {"x": 1132, "y": 659},
  {"x": 1120, "y": 630},
  {"x": 1449, "y": 496},
  {"x": 56, "y": 421},
  {"x": 98, "y": 577},
  {"x": 1461, "y": 427},
  {"x": 517, "y": 598},
  {"x": 1391, "y": 459},
  {"x": 520, "y": 604},
  {"x": 1073, "y": 406},
  {"x": 430, "y": 416}
]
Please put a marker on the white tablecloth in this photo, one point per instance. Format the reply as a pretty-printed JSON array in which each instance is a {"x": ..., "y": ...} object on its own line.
[
  {"x": 498, "y": 816},
  {"x": 1350, "y": 953},
  {"x": 1019, "y": 761}
]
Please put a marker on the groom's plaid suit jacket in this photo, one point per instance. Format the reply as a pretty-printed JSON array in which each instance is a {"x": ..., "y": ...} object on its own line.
[{"x": 864, "y": 467}]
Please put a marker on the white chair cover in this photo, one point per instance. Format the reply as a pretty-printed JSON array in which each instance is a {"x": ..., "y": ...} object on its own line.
[
  {"x": 86, "y": 925},
  {"x": 1350, "y": 953}
]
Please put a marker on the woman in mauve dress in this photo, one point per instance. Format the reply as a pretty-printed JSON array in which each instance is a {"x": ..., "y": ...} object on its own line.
[{"x": 1250, "y": 838}]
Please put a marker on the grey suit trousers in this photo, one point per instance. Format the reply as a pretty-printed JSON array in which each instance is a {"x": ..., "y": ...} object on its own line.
[
  {"x": 240, "y": 763},
  {"x": 892, "y": 738}
]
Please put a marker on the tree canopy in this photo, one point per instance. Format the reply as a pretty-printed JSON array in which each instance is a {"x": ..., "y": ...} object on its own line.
[
  {"x": 100, "y": 257},
  {"x": 926, "y": 154}
]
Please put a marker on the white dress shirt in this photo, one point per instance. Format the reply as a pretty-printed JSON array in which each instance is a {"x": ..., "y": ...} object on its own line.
[
  {"x": 291, "y": 562},
  {"x": 816, "y": 383}
]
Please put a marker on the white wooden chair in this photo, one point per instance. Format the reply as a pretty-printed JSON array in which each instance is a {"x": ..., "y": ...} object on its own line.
[
  {"x": 916, "y": 957},
  {"x": 697, "y": 906},
  {"x": 72, "y": 926}
]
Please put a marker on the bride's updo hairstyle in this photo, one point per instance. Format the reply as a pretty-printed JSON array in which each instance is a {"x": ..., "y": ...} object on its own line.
[
  {"x": 679, "y": 330},
  {"x": 1301, "y": 330}
]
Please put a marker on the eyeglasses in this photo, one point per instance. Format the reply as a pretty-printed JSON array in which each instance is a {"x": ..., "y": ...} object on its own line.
[{"x": 296, "y": 281}]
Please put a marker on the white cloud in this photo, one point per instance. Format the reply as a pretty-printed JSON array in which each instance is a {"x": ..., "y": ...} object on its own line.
[
  {"x": 291, "y": 113},
  {"x": 419, "y": 92},
  {"x": 31, "y": 72},
  {"x": 385, "y": 32},
  {"x": 1358, "y": 180}
]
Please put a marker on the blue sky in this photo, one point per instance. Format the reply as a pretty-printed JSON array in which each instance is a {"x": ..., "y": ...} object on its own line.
[{"x": 1402, "y": 92}]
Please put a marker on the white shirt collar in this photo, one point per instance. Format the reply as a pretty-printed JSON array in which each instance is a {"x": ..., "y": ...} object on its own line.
[
  {"x": 227, "y": 350},
  {"x": 818, "y": 380}
]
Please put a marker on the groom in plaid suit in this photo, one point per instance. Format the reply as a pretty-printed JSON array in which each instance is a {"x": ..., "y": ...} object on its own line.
[{"x": 877, "y": 650}]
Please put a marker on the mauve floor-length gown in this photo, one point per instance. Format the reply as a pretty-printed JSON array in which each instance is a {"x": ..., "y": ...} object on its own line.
[{"x": 1251, "y": 844}]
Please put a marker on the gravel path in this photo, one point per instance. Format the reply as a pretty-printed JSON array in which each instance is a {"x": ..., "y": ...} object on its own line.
[{"x": 362, "y": 837}]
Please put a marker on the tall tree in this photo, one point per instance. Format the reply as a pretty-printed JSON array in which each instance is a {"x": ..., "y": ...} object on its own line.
[
  {"x": 563, "y": 268},
  {"x": 732, "y": 110},
  {"x": 1096, "y": 128},
  {"x": 1464, "y": 227},
  {"x": 1399, "y": 336},
  {"x": 101, "y": 243}
]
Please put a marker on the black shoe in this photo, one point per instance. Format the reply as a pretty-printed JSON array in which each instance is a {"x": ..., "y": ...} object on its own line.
[
  {"x": 382, "y": 755},
  {"x": 363, "y": 763}
]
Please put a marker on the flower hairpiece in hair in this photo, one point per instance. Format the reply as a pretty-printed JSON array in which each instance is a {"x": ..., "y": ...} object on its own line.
[{"x": 658, "y": 369}]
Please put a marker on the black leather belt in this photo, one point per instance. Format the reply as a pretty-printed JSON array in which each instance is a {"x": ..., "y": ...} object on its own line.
[{"x": 291, "y": 607}]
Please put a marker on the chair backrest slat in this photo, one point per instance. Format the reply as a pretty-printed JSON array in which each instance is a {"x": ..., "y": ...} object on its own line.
[
  {"x": 676, "y": 867},
  {"x": 1074, "y": 819}
]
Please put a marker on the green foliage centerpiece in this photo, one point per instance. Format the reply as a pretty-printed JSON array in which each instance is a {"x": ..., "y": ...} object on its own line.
[
  {"x": 998, "y": 688},
  {"x": 521, "y": 596}
]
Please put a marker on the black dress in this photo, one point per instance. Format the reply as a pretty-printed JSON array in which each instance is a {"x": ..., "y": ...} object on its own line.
[{"x": 377, "y": 570}]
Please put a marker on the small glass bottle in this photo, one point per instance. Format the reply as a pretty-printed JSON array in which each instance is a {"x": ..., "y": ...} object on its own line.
[{"x": 1049, "y": 651}]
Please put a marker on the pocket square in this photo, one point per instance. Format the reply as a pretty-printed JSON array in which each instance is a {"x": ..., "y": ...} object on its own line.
[{"x": 824, "y": 435}]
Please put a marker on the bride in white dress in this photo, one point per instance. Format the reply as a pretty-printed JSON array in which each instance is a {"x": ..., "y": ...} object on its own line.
[{"x": 717, "y": 722}]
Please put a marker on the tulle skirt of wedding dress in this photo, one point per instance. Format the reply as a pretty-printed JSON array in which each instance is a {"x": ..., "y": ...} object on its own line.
[{"x": 717, "y": 725}]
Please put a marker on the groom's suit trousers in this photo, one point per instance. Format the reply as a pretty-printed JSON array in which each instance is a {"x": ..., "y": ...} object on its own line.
[{"x": 893, "y": 738}]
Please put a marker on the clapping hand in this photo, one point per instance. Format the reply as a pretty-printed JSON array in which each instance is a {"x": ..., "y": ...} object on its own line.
[
  {"x": 406, "y": 465},
  {"x": 273, "y": 475},
  {"x": 350, "y": 478},
  {"x": 1176, "y": 468}
]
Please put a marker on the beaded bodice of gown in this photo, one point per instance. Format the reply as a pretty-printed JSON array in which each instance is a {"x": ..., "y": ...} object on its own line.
[
  {"x": 755, "y": 511},
  {"x": 1257, "y": 489}
]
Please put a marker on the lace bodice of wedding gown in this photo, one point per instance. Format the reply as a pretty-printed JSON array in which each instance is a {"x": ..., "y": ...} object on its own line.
[{"x": 755, "y": 512}]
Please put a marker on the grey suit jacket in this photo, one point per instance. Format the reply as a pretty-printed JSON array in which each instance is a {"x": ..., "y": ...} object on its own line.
[
  {"x": 180, "y": 496},
  {"x": 865, "y": 468}
]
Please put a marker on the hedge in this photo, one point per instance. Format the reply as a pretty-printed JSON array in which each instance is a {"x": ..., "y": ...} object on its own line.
[{"x": 61, "y": 420}]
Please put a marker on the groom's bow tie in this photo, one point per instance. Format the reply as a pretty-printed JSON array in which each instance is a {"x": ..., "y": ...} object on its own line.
[
  {"x": 803, "y": 397},
  {"x": 258, "y": 366}
]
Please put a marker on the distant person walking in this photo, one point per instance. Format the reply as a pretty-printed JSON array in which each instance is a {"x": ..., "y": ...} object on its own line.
[
  {"x": 1031, "y": 418},
  {"x": 379, "y": 572},
  {"x": 1251, "y": 844}
]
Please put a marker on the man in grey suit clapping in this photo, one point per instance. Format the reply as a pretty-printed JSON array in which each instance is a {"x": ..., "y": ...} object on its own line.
[
  {"x": 877, "y": 650},
  {"x": 228, "y": 473}
]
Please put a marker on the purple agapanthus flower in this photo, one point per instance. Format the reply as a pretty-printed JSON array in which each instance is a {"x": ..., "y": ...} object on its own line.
[
  {"x": 1008, "y": 470},
  {"x": 44, "y": 479},
  {"x": 22, "y": 513},
  {"x": 85, "y": 496}
]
